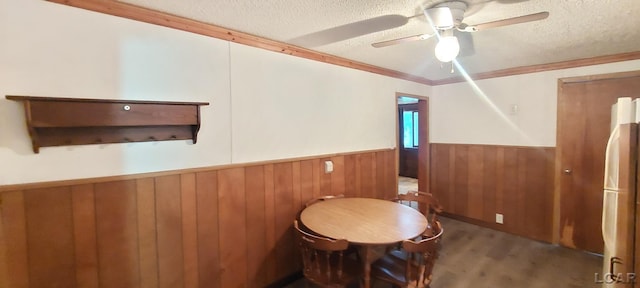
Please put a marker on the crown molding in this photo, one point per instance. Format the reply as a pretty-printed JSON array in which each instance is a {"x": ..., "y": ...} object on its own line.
[
  {"x": 590, "y": 78},
  {"x": 141, "y": 14},
  {"x": 543, "y": 67}
]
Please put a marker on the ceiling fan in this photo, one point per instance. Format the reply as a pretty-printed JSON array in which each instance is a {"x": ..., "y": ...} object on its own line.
[{"x": 447, "y": 17}]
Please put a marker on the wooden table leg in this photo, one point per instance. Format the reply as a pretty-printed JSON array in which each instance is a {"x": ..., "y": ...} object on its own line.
[{"x": 366, "y": 259}]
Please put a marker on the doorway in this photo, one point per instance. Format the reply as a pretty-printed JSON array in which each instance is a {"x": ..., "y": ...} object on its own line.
[
  {"x": 408, "y": 137},
  {"x": 412, "y": 140},
  {"x": 584, "y": 117}
]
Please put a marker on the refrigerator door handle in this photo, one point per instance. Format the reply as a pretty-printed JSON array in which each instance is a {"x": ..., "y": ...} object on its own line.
[
  {"x": 610, "y": 183},
  {"x": 611, "y": 160},
  {"x": 604, "y": 218}
]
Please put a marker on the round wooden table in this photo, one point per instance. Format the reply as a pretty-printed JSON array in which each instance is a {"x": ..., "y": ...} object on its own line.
[{"x": 364, "y": 221}]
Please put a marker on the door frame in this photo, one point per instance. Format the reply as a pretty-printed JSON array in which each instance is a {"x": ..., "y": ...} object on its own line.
[
  {"x": 409, "y": 155},
  {"x": 558, "y": 157},
  {"x": 423, "y": 136}
]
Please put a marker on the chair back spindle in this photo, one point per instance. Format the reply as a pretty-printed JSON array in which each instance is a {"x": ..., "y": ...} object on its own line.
[{"x": 424, "y": 202}]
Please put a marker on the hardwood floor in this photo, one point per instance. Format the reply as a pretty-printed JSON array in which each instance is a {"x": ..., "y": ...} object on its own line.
[
  {"x": 406, "y": 184},
  {"x": 474, "y": 256},
  {"x": 481, "y": 257}
]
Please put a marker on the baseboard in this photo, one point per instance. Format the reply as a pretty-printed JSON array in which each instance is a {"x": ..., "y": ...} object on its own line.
[{"x": 494, "y": 226}]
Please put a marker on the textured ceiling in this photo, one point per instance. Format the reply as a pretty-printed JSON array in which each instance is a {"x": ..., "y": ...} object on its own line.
[{"x": 574, "y": 29}]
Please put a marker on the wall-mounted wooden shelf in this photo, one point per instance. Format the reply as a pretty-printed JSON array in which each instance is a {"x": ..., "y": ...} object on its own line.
[{"x": 70, "y": 121}]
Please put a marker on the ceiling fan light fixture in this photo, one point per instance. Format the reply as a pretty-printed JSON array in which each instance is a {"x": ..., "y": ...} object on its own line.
[{"x": 447, "y": 48}]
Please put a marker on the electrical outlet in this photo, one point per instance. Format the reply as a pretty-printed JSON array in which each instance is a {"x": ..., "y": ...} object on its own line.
[{"x": 499, "y": 218}]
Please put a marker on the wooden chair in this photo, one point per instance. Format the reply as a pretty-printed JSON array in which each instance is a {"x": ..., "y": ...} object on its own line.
[
  {"x": 414, "y": 267},
  {"x": 424, "y": 202},
  {"x": 322, "y": 198},
  {"x": 323, "y": 261}
]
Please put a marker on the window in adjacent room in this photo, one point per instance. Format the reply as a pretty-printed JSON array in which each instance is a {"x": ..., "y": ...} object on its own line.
[{"x": 410, "y": 128}]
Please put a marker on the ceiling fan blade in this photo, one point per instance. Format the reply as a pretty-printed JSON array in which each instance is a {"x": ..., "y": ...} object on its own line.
[
  {"x": 402, "y": 40},
  {"x": 508, "y": 21},
  {"x": 465, "y": 41},
  {"x": 351, "y": 30}
]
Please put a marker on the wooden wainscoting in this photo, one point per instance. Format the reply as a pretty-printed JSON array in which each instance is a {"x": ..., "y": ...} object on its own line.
[
  {"x": 216, "y": 227},
  {"x": 477, "y": 181}
]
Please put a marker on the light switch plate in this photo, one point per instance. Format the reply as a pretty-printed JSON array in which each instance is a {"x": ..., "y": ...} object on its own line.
[
  {"x": 513, "y": 110},
  {"x": 499, "y": 218},
  {"x": 328, "y": 166}
]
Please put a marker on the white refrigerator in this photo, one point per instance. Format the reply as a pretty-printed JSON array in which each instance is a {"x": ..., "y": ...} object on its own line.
[{"x": 619, "y": 199}]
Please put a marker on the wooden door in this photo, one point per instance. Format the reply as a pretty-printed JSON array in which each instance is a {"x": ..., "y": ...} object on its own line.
[{"x": 584, "y": 116}]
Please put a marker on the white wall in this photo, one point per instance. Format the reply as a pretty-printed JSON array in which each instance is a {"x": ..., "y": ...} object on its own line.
[
  {"x": 264, "y": 105},
  {"x": 462, "y": 113},
  {"x": 284, "y": 106}
]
